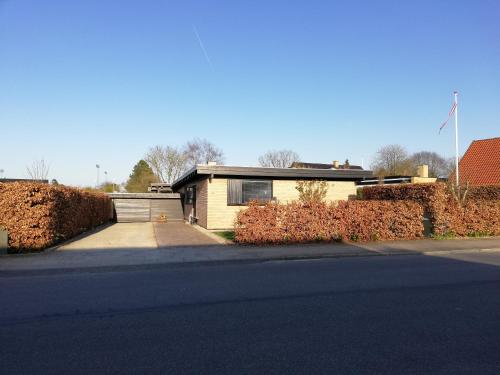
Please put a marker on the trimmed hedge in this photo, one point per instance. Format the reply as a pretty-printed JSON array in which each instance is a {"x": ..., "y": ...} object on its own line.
[
  {"x": 348, "y": 220},
  {"x": 40, "y": 215},
  {"x": 488, "y": 192},
  {"x": 479, "y": 215}
]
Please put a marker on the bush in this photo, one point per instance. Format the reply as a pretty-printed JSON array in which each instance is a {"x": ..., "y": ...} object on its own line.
[
  {"x": 488, "y": 192},
  {"x": 479, "y": 213},
  {"x": 40, "y": 215},
  {"x": 349, "y": 220}
]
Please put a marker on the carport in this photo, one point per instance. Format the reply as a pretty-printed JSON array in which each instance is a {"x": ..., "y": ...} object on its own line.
[{"x": 144, "y": 207}]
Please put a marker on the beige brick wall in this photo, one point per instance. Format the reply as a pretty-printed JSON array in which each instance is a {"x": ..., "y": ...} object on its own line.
[{"x": 221, "y": 216}]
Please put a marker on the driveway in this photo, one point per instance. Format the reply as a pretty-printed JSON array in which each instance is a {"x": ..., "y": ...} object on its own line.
[
  {"x": 178, "y": 234},
  {"x": 116, "y": 236}
]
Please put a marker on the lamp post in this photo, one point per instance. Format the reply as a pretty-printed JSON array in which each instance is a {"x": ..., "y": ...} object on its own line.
[
  {"x": 97, "y": 166},
  {"x": 1, "y": 173},
  {"x": 105, "y": 177}
]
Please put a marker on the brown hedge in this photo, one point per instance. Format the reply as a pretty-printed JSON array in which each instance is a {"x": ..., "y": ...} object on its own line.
[
  {"x": 40, "y": 215},
  {"x": 480, "y": 214},
  {"x": 487, "y": 192},
  {"x": 350, "y": 220}
]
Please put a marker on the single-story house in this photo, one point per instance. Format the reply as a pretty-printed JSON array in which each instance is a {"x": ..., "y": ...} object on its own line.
[
  {"x": 213, "y": 194},
  {"x": 480, "y": 164}
]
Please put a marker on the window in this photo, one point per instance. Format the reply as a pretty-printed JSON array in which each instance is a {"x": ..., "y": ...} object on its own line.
[
  {"x": 244, "y": 191},
  {"x": 190, "y": 195}
]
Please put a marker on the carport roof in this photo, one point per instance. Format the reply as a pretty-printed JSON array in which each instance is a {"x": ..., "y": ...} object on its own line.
[{"x": 204, "y": 170}]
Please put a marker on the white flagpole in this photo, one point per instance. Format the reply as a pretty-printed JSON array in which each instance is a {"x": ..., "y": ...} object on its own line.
[{"x": 456, "y": 137}]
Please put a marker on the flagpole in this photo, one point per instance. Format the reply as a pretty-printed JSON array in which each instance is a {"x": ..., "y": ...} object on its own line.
[{"x": 456, "y": 137}]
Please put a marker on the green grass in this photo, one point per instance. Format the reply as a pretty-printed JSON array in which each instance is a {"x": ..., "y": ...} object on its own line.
[{"x": 226, "y": 234}]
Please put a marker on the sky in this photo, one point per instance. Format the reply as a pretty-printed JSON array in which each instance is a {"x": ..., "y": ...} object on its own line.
[{"x": 100, "y": 82}]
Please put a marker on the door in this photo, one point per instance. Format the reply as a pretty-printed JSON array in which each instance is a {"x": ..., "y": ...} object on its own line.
[{"x": 132, "y": 210}]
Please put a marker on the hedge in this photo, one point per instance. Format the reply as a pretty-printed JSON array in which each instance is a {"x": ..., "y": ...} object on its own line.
[
  {"x": 39, "y": 215},
  {"x": 346, "y": 220},
  {"x": 480, "y": 213}
]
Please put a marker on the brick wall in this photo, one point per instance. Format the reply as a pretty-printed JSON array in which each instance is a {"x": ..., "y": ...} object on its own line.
[{"x": 201, "y": 202}]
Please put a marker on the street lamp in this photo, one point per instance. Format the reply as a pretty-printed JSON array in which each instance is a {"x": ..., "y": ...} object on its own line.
[
  {"x": 97, "y": 181},
  {"x": 1, "y": 173},
  {"x": 105, "y": 177}
]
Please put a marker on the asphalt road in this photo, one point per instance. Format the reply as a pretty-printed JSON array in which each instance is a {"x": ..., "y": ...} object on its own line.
[{"x": 373, "y": 315}]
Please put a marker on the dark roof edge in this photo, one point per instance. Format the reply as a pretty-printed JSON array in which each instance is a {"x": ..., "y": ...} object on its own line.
[{"x": 222, "y": 170}]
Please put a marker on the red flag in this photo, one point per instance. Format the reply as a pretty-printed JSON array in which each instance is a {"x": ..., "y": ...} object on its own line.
[{"x": 452, "y": 111}]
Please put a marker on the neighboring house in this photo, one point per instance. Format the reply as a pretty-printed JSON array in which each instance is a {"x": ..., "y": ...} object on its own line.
[
  {"x": 159, "y": 187},
  {"x": 6, "y": 180},
  {"x": 422, "y": 177},
  {"x": 480, "y": 164},
  {"x": 334, "y": 165},
  {"x": 213, "y": 194}
]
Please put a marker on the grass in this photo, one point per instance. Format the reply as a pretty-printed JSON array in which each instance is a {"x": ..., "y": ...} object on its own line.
[{"x": 226, "y": 234}]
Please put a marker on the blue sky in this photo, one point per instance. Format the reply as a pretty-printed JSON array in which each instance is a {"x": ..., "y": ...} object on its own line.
[{"x": 86, "y": 82}]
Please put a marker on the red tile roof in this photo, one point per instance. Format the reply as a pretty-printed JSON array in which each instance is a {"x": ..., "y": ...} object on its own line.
[{"x": 481, "y": 163}]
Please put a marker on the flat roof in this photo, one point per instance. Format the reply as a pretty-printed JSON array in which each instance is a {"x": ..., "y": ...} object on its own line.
[
  {"x": 275, "y": 173},
  {"x": 144, "y": 195}
]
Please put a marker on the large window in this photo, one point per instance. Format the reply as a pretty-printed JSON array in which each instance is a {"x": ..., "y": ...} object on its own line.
[{"x": 241, "y": 192}]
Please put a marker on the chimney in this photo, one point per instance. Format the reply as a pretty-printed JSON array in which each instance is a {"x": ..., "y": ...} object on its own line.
[
  {"x": 423, "y": 171},
  {"x": 212, "y": 163},
  {"x": 336, "y": 164}
]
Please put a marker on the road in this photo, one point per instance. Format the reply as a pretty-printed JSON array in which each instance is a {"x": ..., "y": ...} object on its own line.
[{"x": 369, "y": 315}]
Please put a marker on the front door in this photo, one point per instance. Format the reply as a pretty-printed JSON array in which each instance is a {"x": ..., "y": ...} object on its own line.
[{"x": 194, "y": 200}]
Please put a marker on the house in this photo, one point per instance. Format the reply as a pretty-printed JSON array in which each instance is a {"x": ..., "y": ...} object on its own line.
[
  {"x": 334, "y": 165},
  {"x": 480, "y": 164},
  {"x": 213, "y": 194},
  {"x": 159, "y": 187},
  {"x": 422, "y": 177},
  {"x": 7, "y": 180}
]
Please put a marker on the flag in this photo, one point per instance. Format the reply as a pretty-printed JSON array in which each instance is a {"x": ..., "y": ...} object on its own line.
[{"x": 452, "y": 111}]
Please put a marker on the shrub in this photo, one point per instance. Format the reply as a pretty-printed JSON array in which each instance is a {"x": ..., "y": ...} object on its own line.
[
  {"x": 40, "y": 215},
  {"x": 312, "y": 190},
  {"x": 478, "y": 214},
  {"x": 488, "y": 192},
  {"x": 300, "y": 222}
]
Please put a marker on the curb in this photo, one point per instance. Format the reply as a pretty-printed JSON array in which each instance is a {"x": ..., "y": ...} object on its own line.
[
  {"x": 461, "y": 251},
  {"x": 220, "y": 262}
]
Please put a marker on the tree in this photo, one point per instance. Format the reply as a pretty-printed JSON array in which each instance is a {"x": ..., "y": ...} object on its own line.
[
  {"x": 201, "y": 151},
  {"x": 438, "y": 165},
  {"x": 139, "y": 180},
  {"x": 39, "y": 170},
  {"x": 312, "y": 191},
  {"x": 167, "y": 162},
  {"x": 278, "y": 158},
  {"x": 109, "y": 187},
  {"x": 391, "y": 160}
]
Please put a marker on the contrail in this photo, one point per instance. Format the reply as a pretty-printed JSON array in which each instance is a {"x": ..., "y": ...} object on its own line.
[{"x": 202, "y": 46}]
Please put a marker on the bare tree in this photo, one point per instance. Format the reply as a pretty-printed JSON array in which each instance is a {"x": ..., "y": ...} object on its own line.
[
  {"x": 39, "y": 170},
  {"x": 278, "y": 158},
  {"x": 438, "y": 165},
  {"x": 201, "y": 151},
  {"x": 167, "y": 162},
  {"x": 391, "y": 160},
  {"x": 312, "y": 191}
]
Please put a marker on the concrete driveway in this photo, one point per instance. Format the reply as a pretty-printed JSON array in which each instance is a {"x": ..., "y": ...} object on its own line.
[
  {"x": 116, "y": 236},
  {"x": 141, "y": 236}
]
